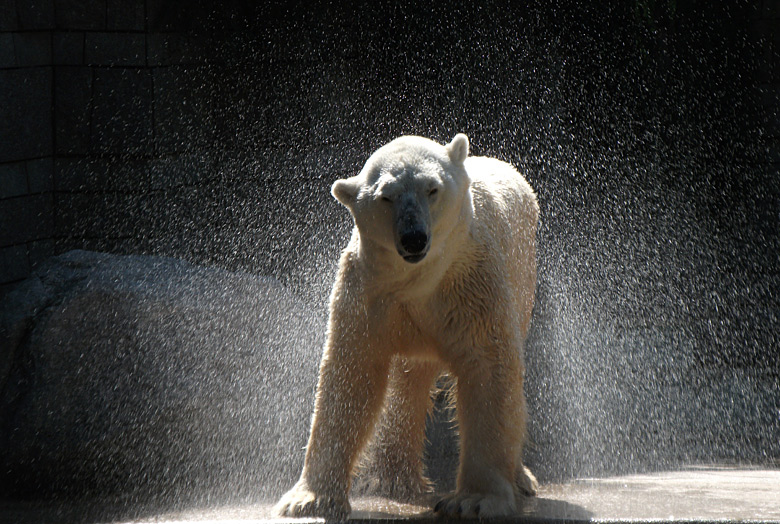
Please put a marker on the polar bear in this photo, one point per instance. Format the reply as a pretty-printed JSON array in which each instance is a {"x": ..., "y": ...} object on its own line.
[{"x": 439, "y": 276}]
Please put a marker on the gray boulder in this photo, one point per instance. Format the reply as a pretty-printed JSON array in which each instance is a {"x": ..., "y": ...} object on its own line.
[{"x": 145, "y": 375}]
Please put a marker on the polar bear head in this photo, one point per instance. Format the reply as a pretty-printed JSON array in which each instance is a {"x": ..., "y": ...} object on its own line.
[{"x": 409, "y": 195}]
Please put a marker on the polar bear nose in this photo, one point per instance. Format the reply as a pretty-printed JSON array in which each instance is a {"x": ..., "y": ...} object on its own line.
[{"x": 414, "y": 242}]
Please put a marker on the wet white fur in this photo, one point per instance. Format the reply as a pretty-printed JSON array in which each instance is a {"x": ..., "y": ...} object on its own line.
[{"x": 395, "y": 326}]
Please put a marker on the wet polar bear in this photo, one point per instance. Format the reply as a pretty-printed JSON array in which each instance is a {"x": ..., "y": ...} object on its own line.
[{"x": 439, "y": 275}]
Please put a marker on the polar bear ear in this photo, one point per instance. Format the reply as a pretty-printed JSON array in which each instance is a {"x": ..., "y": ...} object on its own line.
[
  {"x": 345, "y": 191},
  {"x": 458, "y": 149}
]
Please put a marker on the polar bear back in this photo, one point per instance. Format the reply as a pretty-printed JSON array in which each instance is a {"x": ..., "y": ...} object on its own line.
[
  {"x": 506, "y": 214},
  {"x": 498, "y": 184}
]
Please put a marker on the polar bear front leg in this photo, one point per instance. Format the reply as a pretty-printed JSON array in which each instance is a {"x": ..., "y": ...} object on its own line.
[
  {"x": 393, "y": 465},
  {"x": 349, "y": 395},
  {"x": 491, "y": 416}
]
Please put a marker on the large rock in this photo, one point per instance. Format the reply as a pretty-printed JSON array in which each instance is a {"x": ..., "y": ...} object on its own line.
[{"x": 146, "y": 375}]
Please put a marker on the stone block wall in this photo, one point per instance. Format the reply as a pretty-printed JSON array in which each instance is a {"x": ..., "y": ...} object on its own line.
[
  {"x": 83, "y": 86},
  {"x": 120, "y": 119},
  {"x": 26, "y": 137}
]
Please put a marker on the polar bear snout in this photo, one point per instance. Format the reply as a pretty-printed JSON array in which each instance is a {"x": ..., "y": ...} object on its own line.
[
  {"x": 414, "y": 245},
  {"x": 412, "y": 237}
]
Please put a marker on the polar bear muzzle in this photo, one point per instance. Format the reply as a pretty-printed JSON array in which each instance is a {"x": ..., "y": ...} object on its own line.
[
  {"x": 412, "y": 238},
  {"x": 414, "y": 246}
]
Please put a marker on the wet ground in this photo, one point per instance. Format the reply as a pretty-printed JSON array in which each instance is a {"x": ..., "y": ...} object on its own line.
[{"x": 702, "y": 494}]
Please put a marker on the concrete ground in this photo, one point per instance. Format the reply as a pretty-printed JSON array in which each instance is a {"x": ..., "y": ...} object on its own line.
[{"x": 702, "y": 494}]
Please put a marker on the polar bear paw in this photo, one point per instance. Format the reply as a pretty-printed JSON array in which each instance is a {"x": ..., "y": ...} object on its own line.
[
  {"x": 402, "y": 487},
  {"x": 526, "y": 482},
  {"x": 301, "y": 501},
  {"x": 474, "y": 505}
]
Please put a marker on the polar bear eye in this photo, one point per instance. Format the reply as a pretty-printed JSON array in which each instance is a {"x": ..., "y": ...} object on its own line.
[
  {"x": 433, "y": 192},
  {"x": 386, "y": 199}
]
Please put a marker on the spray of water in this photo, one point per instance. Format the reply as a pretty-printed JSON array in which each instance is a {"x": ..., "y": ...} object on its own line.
[
  {"x": 656, "y": 314},
  {"x": 654, "y": 341}
]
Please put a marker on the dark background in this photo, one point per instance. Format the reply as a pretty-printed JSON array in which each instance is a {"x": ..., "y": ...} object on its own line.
[{"x": 211, "y": 131}]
